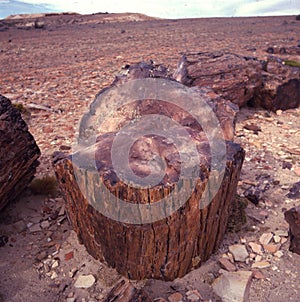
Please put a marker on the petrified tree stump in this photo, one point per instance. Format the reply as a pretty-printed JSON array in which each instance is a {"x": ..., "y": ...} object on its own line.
[
  {"x": 292, "y": 216},
  {"x": 18, "y": 153},
  {"x": 161, "y": 229}
]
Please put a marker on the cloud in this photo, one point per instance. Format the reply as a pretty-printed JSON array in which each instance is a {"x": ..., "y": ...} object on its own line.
[{"x": 177, "y": 8}]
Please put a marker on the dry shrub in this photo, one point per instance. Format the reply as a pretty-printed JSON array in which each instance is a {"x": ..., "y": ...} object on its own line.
[{"x": 46, "y": 185}]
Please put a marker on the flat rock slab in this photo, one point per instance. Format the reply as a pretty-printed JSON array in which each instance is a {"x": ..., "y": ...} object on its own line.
[{"x": 233, "y": 286}]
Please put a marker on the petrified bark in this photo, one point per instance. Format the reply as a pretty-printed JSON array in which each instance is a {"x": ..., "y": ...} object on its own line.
[
  {"x": 124, "y": 291},
  {"x": 280, "y": 86},
  {"x": 159, "y": 229},
  {"x": 292, "y": 216},
  {"x": 18, "y": 153},
  {"x": 232, "y": 76}
]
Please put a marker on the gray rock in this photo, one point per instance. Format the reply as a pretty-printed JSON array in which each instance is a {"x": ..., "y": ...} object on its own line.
[
  {"x": 233, "y": 286},
  {"x": 239, "y": 252}
]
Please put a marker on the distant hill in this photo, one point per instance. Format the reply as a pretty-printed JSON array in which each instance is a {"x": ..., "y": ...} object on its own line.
[{"x": 15, "y": 7}]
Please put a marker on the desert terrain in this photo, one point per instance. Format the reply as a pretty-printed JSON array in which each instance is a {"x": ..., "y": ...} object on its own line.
[{"x": 62, "y": 62}]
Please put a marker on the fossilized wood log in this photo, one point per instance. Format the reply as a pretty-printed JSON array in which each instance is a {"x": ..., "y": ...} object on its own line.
[
  {"x": 269, "y": 84},
  {"x": 292, "y": 216},
  {"x": 18, "y": 153},
  {"x": 232, "y": 76},
  {"x": 280, "y": 86},
  {"x": 162, "y": 242},
  {"x": 124, "y": 291},
  {"x": 165, "y": 249}
]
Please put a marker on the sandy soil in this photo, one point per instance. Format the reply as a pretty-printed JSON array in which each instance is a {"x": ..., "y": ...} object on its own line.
[{"x": 63, "y": 66}]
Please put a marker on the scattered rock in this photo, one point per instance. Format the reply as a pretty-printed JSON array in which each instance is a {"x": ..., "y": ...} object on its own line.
[
  {"x": 258, "y": 275},
  {"x": 261, "y": 264},
  {"x": 256, "y": 248},
  {"x": 175, "y": 297},
  {"x": 265, "y": 238},
  {"x": 20, "y": 226},
  {"x": 193, "y": 296},
  {"x": 227, "y": 265},
  {"x": 35, "y": 228},
  {"x": 271, "y": 248},
  {"x": 85, "y": 281},
  {"x": 294, "y": 191},
  {"x": 69, "y": 256},
  {"x": 233, "y": 286},
  {"x": 45, "y": 224},
  {"x": 278, "y": 254},
  {"x": 239, "y": 252},
  {"x": 253, "y": 128}
]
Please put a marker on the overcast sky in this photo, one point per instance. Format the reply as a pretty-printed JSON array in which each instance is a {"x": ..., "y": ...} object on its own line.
[{"x": 158, "y": 8}]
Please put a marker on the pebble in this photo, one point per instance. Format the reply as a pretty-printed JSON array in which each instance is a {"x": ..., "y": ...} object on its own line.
[
  {"x": 271, "y": 248},
  {"x": 227, "y": 265},
  {"x": 35, "y": 228},
  {"x": 45, "y": 224},
  {"x": 281, "y": 233},
  {"x": 71, "y": 299},
  {"x": 175, "y": 297},
  {"x": 256, "y": 248},
  {"x": 278, "y": 254},
  {"x": 277, "y": 238},
  {"x": 85, "y": 281},
  {"x": 258, "y": 275},
  {"x": 55, "y": 264},
  {"x": 69, "y": 256},
  {"x": 265, "y": 238},
  {"x": 239, "y": 252},
  {"x": 193, "y": 295},
  {"x": 261, "y": 264},
  {"x": 20, "y": 226}
]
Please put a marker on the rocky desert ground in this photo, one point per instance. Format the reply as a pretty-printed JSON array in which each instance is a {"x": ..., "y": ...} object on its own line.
[{"x": 61, "y": 62}]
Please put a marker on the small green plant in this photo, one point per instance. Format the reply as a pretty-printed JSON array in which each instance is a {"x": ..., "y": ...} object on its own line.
[
  {"x": 26, "y": 114},
  {"x": 292, "y": 63},
  {"x": 46, "y": 185}
]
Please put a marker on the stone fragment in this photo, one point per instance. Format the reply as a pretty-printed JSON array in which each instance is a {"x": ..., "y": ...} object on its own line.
[
  {"x": 271, "y": 248},
  {"x": 278, "y": 254},
  {"x": 233, "y": 286},
  {"x": 265, "y": 238},
  {"x": 193, "y": 296},
  {"x": 159, "y": 300},
  {"x": 261, "y": 264},
  {"x": 239, "y": 252},
  {"x": 45, "y": 224},
  {"x": 69, "y": 256},
  {"x": 20, "y": 226},
  {"x": 71, "y": 299},
  {"x": 281, "y": 233},
  {"x": 227, "y": 265},
  {"x": 258, "y": 275},
  {"x": 276, "y": 238},
  {"x": 85, "y": 281},
  {"x": 175, "y": 297},
  {"x": 35, "y": 228},
  {"x": 256, "y": 248},
  {"x": 55, "y": 264},
  {"x": 297, "y": 171}
]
